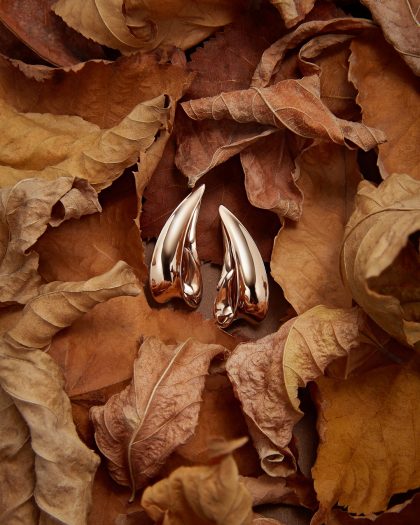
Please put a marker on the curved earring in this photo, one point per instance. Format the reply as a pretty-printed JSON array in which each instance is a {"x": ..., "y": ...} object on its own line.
[
  {"x": 175, "y": 266},
  {"x": 242, "y": 291}
]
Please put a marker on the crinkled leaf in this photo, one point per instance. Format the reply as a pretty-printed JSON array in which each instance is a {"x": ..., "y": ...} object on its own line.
[
  {"x": 132, "y": 25},
  {"x": 386, "y": 89},
  {"x": 379, "y": 262},
  {"x": 138, "y": 428},
  {"x": 369, "y": 439},
  {"x": 292, "y": 11},
  {"x": 33, "y": 381},
  {"x": 267, "y": 373},
  {"x": 306, "y": 255},
  {"x": 274, "y": 490},
  {"x": 201, "y": 495},
  {"x": 26, "y": 209}
]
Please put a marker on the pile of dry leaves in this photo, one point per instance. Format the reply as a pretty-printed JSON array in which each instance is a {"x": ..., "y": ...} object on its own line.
[{"x": 303, "y": 120}]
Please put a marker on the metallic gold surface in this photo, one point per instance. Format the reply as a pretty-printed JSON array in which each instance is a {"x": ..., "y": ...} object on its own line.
[
  {"x": 242, "y": 291},
  {"x": 175, "y": 266}
]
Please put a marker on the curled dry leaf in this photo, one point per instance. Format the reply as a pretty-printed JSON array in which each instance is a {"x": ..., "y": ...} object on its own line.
[
  {"x": 26, "y": 209},
  {"x": 49, "y": 147},
  {"x": 138, "y": 428},
  {"x": 261, "y": 520},
  {"x": 267, "y": 373},
  {"x": 306, "y": 255},
  {"x": 355, "y": 415},
  {"x": 34, "y": 23},
  {"x": 386, "y": 89},
  {"x": 101, "y": 92},
  {"x": 399, "y": 23},
  {"x": 379, "y": 262},
  {"x": 200, "y": 495},
  {"x": 274, "y": 490},
  {"x": 132, "y": 25},
  {"x": 33, "y": 381},
  {"x": 292, "y": 11}
]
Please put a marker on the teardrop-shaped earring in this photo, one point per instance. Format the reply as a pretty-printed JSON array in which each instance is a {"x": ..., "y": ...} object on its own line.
[
  {"x": 242, "y": 291},
  {"x": 175, "y": 266}
]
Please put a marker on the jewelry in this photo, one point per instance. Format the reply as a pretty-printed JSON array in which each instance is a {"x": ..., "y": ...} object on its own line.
[
  {"x": 175, "y": 266},
  {"x": 242, "y": 291}
]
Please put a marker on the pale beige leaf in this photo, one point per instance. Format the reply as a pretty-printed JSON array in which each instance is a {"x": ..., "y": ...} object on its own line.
[
  {"x": 202, "y": 495},
  {"x": 48, "y": 147},
  {"x": 306, "y": 255},
  {"x": 26, "y": 209},
  {"x": 261, "y": 520},
  {"x": 274, "y": 490},
  {"x": 400, "y": 24},
  {"x": 369, "y": 431},
  {"x": 274, "y": 55},
  {"x": 390, "y": 100},
  {"x": 133, "y": 25},
  {"x": 33, "y": 381},
  {"x": 291, "y": 104},
  {"x": 292, "y": 11},
  {"x": 138, "y": 428},
  {"x": 379, "y": 263},
  {"x": 267, "y": 373}
]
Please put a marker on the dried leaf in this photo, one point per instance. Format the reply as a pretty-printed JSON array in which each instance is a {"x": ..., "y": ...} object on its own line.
[
  {"x": 306, "y": 256},
  {"x": 267, "y": 373},
  {"x": 261, "y": 520},
  {"x": 26, "y": 209},
  {"x": 207, "y": 495},
  {"x": 224, "y": 185},
  {"x": 292, "y": 104},
  {"x": 386, "y": 89},
  {"x": 33, "y": 381},
  {"x": 378, "y": 407},
  {"x": 100, "y": 92},
  {"x": 399, "y": 24},
  {"x": 269, "y": 181},
  {"x": 34, "y": 23},
  {"x": 49, "y": 147},
  {"x": 379, "y": 263},
  {"x": 271, "y": 490},
  {"x": 275, "y": 54},
  {"x": 132, "y": 25},
  {"x": 138, "y": 428},
  {"x": 293, "y": 11}
]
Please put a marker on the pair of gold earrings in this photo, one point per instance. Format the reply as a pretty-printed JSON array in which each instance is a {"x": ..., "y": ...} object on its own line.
[{"x": 242, "y": 291}]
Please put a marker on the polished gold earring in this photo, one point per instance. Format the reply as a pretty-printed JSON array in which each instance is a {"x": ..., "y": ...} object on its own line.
[
  {"x": 175, "y": 266},
  {"x": 242, "y": 291}
]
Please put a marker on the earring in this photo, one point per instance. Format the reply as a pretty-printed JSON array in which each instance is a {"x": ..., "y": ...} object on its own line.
[
  {"x": 175, "y": 266},
  {"x": 242, "y": 291}
]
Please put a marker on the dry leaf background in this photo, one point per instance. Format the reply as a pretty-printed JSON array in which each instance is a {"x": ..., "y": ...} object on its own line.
[{"x": 300, "y": 116}]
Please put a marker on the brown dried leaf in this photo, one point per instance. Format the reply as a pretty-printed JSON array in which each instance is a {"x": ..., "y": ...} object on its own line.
[
  {"x": 399, "y": 24},
  {"x": 291, "y": 104},
  {"x": 26, "y": 209},
  {"x": 261, "y": 520},
  {"x": 51, "y": 146},
  {"x": 386, "y": 89},
  {"x": 379, "y": 263},
  {"x": 100, "y": 92},
  {"x": 273, "y": 56},
  {"x": 205, "y": 495},
  {"x": 34, "y": 382},
  {"x": 306, "y": 255},
  {"x": 274, "y": 490},
  {"x": 224, "y": 185},
  {"x": 138, "y": 428},
  {"x": 378, "y": 407},
  {"x": 293, "y": 11},
  {"x": 267, "y": 373},
  {"x": 132, "y": 25}
]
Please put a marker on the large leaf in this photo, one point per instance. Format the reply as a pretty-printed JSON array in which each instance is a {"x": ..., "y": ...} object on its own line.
[
  {"x": 267, "y": 373},
  {"x": 379, "y": 262},
  {"x": 386, "y": 89},
  {"x": 355, "y": 416},
  {"x": 33, "y": 381},
  {"x": 138, "y": 428},
  {"x": 306, "y": 255},
  {"x": 26, "y": 209},
  {"x": 132, "y": 25}
]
